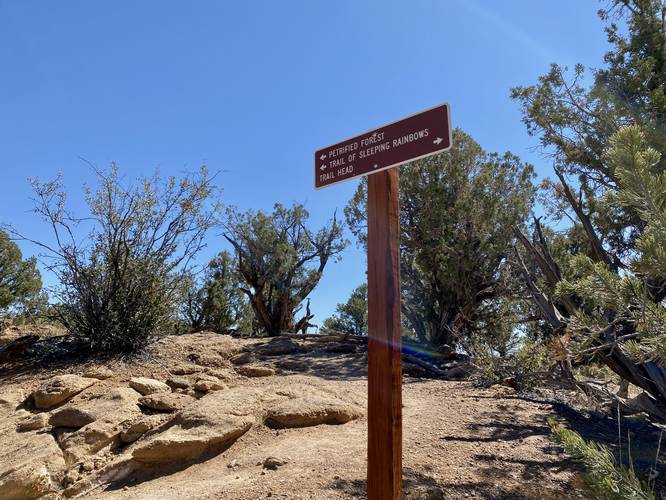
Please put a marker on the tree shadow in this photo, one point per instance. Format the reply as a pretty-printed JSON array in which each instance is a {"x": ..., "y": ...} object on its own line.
[{"x": 415, "y": 485}]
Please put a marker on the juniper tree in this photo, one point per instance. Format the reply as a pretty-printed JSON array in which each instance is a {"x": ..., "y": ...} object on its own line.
[
  {"x": 280, "y": 261},
  {"x": 352, "y": 316},
  {"x": 456, "y": 214},
  {"x": 20, "y": 281},
  {"x": 606, "y": 291},
  {"x": 216, "y": 302}
]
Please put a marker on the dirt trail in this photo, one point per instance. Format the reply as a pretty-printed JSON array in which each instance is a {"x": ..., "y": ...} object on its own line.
[{"x": 460, "y": 441}]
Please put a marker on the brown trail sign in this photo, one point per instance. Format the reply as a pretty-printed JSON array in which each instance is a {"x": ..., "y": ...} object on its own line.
[
  {"x": 409, "y": 139},
  {"x": 374, "y": 152}
]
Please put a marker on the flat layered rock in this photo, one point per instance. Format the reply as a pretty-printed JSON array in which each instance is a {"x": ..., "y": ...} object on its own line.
[
  {"x": 206, "y": 427},
  {"x": 111, "y": 410},
  {"x": 183, "y": 444},
  {"x": 31, "y": 466},
  {"x": 305, "y": 406},
  {"x": 116, "y": 404},
  {"x": 166, "y": 401},
  {"x": 59, "y": 389},
  {"x": 146, "y": 386},
  {"x": 31, "y": 423}
]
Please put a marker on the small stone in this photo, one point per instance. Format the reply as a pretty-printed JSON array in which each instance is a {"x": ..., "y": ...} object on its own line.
[
  {"x": 146, "y": 386},
  {"x": 232, "y": 464},
  {"x": 185, "y": 370},
  {"x": 98, "y": 372},
  {"x": 72, "y": 476},
  {"x": 255, "y": 371},
  {"x": 178, "y": 383},
  {"x": 272, "y": 463},
  {"x": 87, "y": 466},
  {"x": 208, "y": 384},
  {"x": 243, "y": 358},
  {"x": 32, "y": 423}
]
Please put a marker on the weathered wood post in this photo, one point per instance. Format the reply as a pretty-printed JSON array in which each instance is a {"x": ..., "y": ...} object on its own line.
[{"x": 384, "y": 338}]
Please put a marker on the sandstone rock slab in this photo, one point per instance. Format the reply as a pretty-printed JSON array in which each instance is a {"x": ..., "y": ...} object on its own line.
[
  {"x": 166, "y": 401},
  {"x": 307, "y": 406},
  {"x": 59, "y": 389},
  {"x": 146, "y": 386}
]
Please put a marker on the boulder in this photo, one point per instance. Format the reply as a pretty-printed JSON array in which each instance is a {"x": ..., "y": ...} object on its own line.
[
  {"x": 145, "y": 386},
  {"x": 72, "y": 417},
  {"x": 166, "y": 401},
  {"x": 307, "y": 406},
  {"x": 255, "y": 371},
  {"x": 59, "y": 389},
  {"x": 278, "y": 347}
]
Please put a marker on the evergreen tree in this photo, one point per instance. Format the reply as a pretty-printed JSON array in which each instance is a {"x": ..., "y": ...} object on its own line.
[
  {"x": 20, "y": 281},
  {"x": 352, "y": 316},
  {"x": 456, "y": 214},
  {"x": 604, "y": 290},
  {"x": 280, "y": 261},
  {"x": 217, "y": 303}
]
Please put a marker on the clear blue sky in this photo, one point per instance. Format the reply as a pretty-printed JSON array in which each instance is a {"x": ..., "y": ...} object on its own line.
[{"x": 253, "y": 88}]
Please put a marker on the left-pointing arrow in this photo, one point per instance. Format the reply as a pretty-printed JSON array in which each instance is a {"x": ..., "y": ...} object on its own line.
[
  {"x": 322, "y": 157},
  {"x": 323, "y": 167}
]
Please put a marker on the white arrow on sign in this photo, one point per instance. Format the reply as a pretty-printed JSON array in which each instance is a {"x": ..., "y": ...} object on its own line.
[
  {"x": 323, "y": 167},
  {"x": 322, "y": 157},
  {"x": 437, "y": 141}
]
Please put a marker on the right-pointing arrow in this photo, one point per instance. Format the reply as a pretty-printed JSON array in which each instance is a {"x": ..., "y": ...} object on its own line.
[{"x": 438, "y": 141}]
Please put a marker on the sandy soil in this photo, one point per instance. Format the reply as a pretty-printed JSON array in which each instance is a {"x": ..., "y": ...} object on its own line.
[{"x": 460, "y": 441}]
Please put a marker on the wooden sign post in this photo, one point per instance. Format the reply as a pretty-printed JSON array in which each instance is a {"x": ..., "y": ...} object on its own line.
[
  {"x": 384, "y": 338},
  {"x": 376, "y": 152}
]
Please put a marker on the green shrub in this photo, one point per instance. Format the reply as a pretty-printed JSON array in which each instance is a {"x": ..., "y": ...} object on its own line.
[
  {"x": 603, "y": 476},
  {"x": 118, "y": 286}
]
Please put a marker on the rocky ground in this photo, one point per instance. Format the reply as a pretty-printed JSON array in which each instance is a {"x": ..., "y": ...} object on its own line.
[{"x": 207, "y": 416}]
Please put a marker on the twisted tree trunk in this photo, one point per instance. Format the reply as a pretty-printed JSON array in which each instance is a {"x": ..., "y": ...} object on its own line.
[{"x": 607, "y": 343}]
